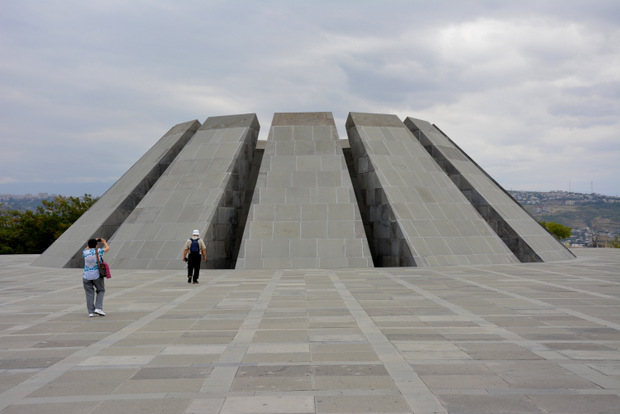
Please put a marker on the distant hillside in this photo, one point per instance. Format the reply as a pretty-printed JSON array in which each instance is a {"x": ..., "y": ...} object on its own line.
[
  {"x": 23, "y": 202},
  {"x": 584, "y": 213},
  {"x": 581, "y": 216}
]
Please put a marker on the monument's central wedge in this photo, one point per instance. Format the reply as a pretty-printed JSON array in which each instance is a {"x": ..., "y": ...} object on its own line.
[{"x": 303, "y": 213}]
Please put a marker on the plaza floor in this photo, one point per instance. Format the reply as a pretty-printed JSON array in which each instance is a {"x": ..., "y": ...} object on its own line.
[{"x": 528, "y": 338}]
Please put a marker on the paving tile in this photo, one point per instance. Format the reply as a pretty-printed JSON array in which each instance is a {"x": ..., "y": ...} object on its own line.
[
  {"x": 177, "y": 360},
  {"x": 364, "y": 370},
  {"x": 278, "y": 348},
  {"x": 116, "y": 360},
  {"x": 362, "y": 404},
  {"x": 275, "y": 371},
  {"x": 325, "y": 383},
  {"x": 340, "y": 348},
  {"x": 205, "y": 406},
  {"x": 283, "y": 357},
  {"x": 171, "y": 373},
  {"x": 345, "y": 357},
  {"x": 500, "y": 351},
  {"x": 85, "y": 382},
  {"x": 273, "y": 384},
  {"x": 15, "y": 362},
  {"x": 277, "y": 336},
  {"x": 491, "y": 404},
  {"x": 193, "y": 349},
  {"x": 142, "y": 405},
  {"x": 268, "y": 405},
  {"x": 583, "y": 403},
  {"x": 452, "y": 368},
  {"x": 419, "y": 350},
  {"x": 51, "y": 407},
  {"x": 284, "y": 323},
  {"x": 151, "y": 386},
  {"x": 441, "y": 383},
  {"x": 131, "y": 350},
  {"x": 10, "y": 379}
]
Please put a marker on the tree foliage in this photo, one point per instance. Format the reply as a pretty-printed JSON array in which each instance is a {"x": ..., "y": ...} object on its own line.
[
  {"x": 31, "y": 232},
  {"x": 559, "y": 231}
]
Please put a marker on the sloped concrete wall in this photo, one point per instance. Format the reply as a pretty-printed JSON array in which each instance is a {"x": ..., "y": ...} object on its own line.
[
  {"x": 416, "y": 214},
  {"x": 527, "y": 239},
  {"x": 303, "y": 213},
  {"x": 113, "y": 207},
  {"x": 204, "y": 188}
]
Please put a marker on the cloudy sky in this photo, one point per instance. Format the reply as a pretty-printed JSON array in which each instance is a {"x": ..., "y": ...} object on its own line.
[{"x": 529, "y": 89}]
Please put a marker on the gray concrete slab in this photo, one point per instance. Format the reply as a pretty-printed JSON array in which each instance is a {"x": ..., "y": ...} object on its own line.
[
  {"x": 526, "y": 338},
  {"x": 204, "y": 188},
  {"x": 413, "y": 213},
  {"x": 517, "y": 228},
  {"x": 304, "y": 213}
]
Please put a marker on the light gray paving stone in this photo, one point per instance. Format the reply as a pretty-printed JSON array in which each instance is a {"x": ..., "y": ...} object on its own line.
[
  {"x": 268, "y": 405},
  {"x": 81, "y": 407},
  {"x": 491, "y": 404},
  {"x": 362, "y": 404},
  {"x": 577, "y": 403},
  {"x": 205, "y": 406},
  {"x": 131, "y": 406}
]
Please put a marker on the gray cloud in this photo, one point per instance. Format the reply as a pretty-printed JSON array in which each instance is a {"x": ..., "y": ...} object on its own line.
[{"x": 529, "y": 89}]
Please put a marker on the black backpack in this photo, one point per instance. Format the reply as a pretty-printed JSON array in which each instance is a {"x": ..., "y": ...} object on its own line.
[{"x": 194, "y": 247}]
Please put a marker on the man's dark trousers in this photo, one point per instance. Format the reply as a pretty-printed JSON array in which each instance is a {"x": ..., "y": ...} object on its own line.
[{"x": 193, "y": 266}]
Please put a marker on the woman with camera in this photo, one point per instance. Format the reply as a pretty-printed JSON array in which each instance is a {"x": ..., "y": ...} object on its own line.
[{"x": 94, "y": 285}]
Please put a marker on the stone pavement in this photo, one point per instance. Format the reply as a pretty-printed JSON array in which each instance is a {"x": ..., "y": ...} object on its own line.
[{"x": 520, "y": 338}]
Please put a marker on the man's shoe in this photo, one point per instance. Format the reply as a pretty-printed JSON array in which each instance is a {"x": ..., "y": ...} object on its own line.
[
  {"x": 91, "y": 315},
  {"x": 99, "y": 312},
  {"x": 195, "y": 282}
]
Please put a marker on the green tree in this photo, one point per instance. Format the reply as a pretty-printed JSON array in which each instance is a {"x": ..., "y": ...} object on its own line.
[
  {"x": 9, "y": 220},
  {"x": 559, "y": 231},
  {"x": 61, "y": 212},
  {"x": 28, "y": 232}
]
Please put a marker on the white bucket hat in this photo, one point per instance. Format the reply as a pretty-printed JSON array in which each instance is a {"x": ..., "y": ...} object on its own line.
[{"x": 196, "y": 233}]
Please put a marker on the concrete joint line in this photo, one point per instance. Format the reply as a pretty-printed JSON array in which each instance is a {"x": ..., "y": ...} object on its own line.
[
  {"x": 221, "y": 378},
  {"x": 422, "y": 399}
]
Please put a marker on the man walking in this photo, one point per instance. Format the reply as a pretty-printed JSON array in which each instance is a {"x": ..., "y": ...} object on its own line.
[{"x": 194, "y": 246}]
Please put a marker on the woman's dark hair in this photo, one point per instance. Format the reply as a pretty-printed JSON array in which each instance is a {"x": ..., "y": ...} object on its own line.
[{"x": 92, "y": 243}]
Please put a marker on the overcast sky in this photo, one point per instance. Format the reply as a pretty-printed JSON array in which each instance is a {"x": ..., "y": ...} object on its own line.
[{"x": 529, "y": 89}]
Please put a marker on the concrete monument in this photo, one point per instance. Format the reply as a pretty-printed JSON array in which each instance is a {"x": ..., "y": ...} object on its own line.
[{"x": 394, "y": 194}]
